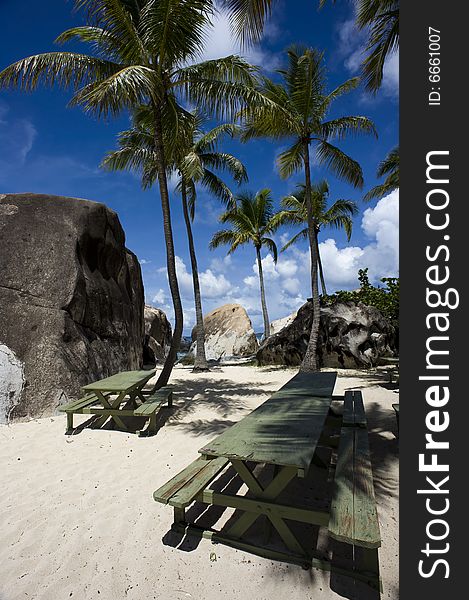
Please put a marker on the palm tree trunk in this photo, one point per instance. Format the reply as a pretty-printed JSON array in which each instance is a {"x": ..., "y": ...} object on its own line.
[
  {"x": 170, "y": 255},
  {"x": 200, "y": 363},
  {"x": 321, "y": 274},
  {"x": 310, "y": 360},
  {"x": 265, "y": 314}
]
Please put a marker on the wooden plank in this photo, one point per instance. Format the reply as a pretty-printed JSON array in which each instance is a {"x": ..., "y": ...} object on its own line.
[
  {"x": 153, "y": 402},
  {"x": 353, "y": 517},
  {"x": 110, "y": 412},
  {"x": 341, "y": 522},
  {"x": 87, "y": 400},
  {"x": 366, "y": 518},
  {"x": 80, "y": 403},
  {"x": 285, "y": 430},
  {"x": 186, "y": 495},
  {"x": 359, "y": 409},
  {"x": 148, "y": 407},
  {"x": 169, "y": 489},
  {"x": 348, "y": 418},
  {"x": 123, "y": 381}
]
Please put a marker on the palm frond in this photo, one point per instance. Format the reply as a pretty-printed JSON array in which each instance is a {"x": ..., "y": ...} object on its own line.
[
  {"x": 64, "y": 69},
  {"x": 208, "y": 141},
  {"x": 101, "y": 40},
  {"x": 292, "y": 160},
  {"x": 175, "y": 31},
  {"x": 339, "y": 163},
  {"x": 390, "y": 163},
  {"x": 130, "y": 86},
  {"x": 120, "y": 20},
  {"x": 272, "y": 246},
  {"x": 247, "y": 18},
  {"x": 217, "y": 187},
  {"x": 383, "y": 19},
  {"x": 226, "y": 162},
  {"x": 301, "y": 235},
  {"x": 344, "y": 126},
  {"x": 340, "y": 90}
]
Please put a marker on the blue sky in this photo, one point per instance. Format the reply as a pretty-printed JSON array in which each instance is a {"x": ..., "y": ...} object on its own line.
[{"x": 46, "y": 147}]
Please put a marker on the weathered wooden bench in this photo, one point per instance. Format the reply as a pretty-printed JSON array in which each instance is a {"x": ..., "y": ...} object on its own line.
[
  {"x": 78, "y": 407},
  {"x": 182, "y": 490},
  {"x": 353, "y": 516},
  {"x": 151, "y": 406}
]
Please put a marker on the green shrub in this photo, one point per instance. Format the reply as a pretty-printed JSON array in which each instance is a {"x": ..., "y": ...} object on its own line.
[{"x": 385, "y": 299}]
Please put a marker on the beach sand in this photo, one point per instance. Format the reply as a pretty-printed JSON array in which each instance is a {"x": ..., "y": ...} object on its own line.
[{"x": 79, "y": 521}]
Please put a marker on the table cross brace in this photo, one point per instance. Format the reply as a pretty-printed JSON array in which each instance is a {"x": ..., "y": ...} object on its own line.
[{"x": 271, "y": 492}]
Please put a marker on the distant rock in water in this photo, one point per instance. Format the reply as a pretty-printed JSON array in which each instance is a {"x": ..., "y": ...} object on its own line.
[
  {"x": 158, "y": 335},
  {"x": 71, "y": 301},
  {"x": 228, "y": 332},
  {"x": 350, "y": 336}
]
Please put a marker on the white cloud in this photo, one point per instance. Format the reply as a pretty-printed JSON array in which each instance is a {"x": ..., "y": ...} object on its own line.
[
  {"x": 17, "y": 137},
  {"x": 220, "y": 265},
  {"x": 159, "y": 298},
  {"x": 211, "y": 284},
  {"x": 214, "y": 286},
  {"x": 381, "y": 255},
  {"x": 390, "y": 85},
  {"x": 220, "y": 42}
]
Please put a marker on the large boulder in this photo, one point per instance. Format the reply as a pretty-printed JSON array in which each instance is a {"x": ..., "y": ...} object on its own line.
[
  {"x": 158, "y": 335},
  {"x": 228, "y": 332},
  {"x": 280, "y": 324},
  {"x": 350, "y": 336},
  {"x": 71, "y": 301}
]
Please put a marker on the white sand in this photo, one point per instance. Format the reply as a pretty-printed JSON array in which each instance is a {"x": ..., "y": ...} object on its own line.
[{"x": 78, "y": 519}]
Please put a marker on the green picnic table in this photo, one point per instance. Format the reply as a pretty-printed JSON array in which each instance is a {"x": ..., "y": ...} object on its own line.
[
  {"x": 105, "y": 397},
  {"x": 285, "y": 431}
]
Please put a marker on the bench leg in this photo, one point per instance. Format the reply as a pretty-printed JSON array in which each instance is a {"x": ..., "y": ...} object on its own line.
[
  {"x": 152, "y": 424},
  {"x": 170, "y": 400},
  {"x": 369, "y": 565},
  {"x": 69, "y": 429},
  {"x": 179, "y": 519}
]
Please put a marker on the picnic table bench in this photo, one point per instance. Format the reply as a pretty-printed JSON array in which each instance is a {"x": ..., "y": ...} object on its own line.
[
  {"x": 106, "y": 396},
  {"x": 285, "y": 432}
]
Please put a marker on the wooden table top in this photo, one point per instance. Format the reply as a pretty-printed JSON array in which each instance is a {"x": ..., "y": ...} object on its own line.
[
  {"x": 285, "y": 429},
  {"x": 120, "y": 382}
]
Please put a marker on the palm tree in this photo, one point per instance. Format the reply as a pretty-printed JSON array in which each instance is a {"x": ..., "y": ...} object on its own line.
[
  {"x": 303, "y": 105},
  {"x": 390, "y": 167},
  {"x": 252, "y": 220},
  {"x": 194, "y": 157},
  {"x": 140, "y": 50},
  {"x": 339, "y": 215},
  {"x": 381, "y": 19}
]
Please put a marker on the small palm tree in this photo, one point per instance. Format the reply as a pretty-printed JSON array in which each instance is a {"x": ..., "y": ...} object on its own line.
[
  {"x": 339, "y": 215},
  {"x": 390, "y": 167},
  {"x": 140, "y": 54},
  {"x": 253, "y": 220},
  {"x": 194, "y": 156},
  {"x": 301, "y": 118}
]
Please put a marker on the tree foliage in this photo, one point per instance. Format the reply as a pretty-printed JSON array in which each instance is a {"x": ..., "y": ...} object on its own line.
[{"x": 385, "y": 299}]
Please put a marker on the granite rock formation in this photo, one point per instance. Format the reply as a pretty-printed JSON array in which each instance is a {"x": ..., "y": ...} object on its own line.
[{"x": 71, "y": 301}]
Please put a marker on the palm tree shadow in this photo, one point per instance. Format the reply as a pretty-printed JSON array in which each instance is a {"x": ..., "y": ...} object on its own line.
[{"x": 221, "y": 397}]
